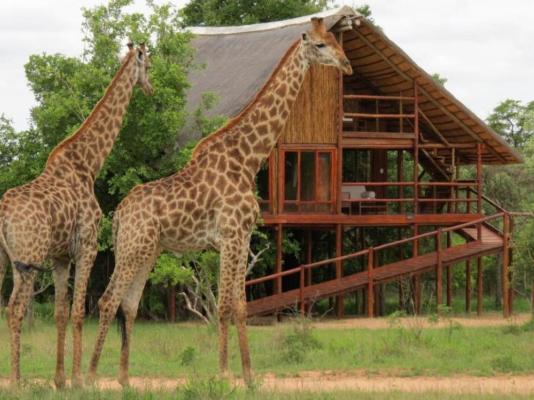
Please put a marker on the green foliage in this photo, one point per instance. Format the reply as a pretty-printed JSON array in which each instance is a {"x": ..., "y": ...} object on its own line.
[
  {"x": 171, "y": 271},
  {"x": 208, "y": 389},
  {"x": 514, "y": 121},
  {"x": 188, "y": 356},
  {"x": 67, "y": 88},
  {"x": 440, "y": 80},
  {"x": 298, "y": 342},
  {"x": 239, "y": 12}
]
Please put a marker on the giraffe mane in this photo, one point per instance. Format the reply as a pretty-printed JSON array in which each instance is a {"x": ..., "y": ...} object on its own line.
[
  {"x": 93, "y": 113},
  {"x": 233, "y": 122}
]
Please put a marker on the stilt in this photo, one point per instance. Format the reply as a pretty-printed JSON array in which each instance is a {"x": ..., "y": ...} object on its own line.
[
  {"x": 480, "y": 287},
  {"x": 505, "y": 267},
  {"x": 340, "y": 303},
  {"x": 439, "y": 272},
  {"x": 370, "y": 291},
  {"x": 468, "y": 286},
  {"x": 448, "y": 271}
]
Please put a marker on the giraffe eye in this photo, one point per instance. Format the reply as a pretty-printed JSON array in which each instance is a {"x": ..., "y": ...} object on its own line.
[{"x": 320, "y": 45}]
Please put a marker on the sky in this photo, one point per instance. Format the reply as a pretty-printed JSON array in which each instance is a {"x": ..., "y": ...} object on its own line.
[{"x": 485, "y": 48}]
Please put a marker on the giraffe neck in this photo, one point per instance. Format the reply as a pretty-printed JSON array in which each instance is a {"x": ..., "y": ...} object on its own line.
[
  {"x": 87, "y": 149},
  {"x": 248, "y": 139}
]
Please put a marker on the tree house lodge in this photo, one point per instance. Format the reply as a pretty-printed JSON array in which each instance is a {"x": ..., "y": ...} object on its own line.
[{"x": 377, "y": 175}]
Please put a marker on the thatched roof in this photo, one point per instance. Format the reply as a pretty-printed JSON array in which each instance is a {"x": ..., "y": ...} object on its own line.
[{"x": 238, "y": 60}]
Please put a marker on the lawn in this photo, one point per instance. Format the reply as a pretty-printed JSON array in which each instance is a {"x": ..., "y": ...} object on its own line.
[{"x": 189, "y": 350}]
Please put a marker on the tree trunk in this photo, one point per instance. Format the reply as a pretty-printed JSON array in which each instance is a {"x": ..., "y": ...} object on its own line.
[{"x": 171, "y": 304}]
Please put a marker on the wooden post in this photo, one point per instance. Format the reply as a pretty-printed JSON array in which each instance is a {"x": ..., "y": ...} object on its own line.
[
  {"x": 416, "y": 278},
  {"x": 480, "y": 287},
  {"x": 400, "y": 178},
  {"x": 278, "y": 265},
  {"x": 439, "y": 271},
  {"x": 468, "y": 286},
  {"x": 301, "y": 291},
  {"x": 416, "y": 150},
  {"x": 505, "y": 266},
  {"x": 370, "y": 294},
  {"x": 340, "y": 304},
  {"x": 417, "y": 294},
  {"x": 479, "y": 189},
  {"x": 448, "y": 272}
]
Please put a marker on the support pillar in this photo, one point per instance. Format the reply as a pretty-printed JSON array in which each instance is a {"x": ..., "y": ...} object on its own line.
[
  {"x": 480, "y": 287},
  {"x": 370, "y": 291},
  {"x": 468, "y": 286},
  {"x": 448, "y": 271},
  {"x": 505, "y": 267},
  {"x": 340, "y": 303}
]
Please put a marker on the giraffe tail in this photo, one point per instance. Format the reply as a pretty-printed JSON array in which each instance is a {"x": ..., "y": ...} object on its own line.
[{"x": 121, "y": 327}]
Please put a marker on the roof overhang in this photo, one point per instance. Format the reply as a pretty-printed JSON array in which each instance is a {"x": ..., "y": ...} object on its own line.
[{"x": 239, "y": 60}]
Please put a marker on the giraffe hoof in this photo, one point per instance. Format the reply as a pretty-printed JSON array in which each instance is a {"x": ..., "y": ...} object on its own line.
[
  {"x": 124, "y": 381},
  {"x": 91, "y": 379},
  {"x": 59, "y": 381},
  {"x": 77, "y": 382}
]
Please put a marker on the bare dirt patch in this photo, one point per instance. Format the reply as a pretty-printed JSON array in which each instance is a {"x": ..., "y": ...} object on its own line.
[
  {"x": 314, "y": 381},
  {"x": 423, "y": 322}
]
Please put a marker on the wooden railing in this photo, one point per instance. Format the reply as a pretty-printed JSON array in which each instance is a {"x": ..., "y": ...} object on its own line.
[
  {"x": 414, "y": 203},
  {"x": 372, "y": 254},
  {"x": 360, "y": 113}
]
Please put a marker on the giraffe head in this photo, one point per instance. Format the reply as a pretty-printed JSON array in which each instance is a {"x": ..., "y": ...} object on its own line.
[
  {"x": 321, "y": 47},
  {"x": 142, "y": 64}
]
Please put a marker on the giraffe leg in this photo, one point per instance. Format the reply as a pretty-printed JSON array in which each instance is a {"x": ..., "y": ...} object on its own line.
[
  {"x": 4, "y": 262},
  {"x": 129, "y": 306},
  {"x": 229, "y": 262},
  {"x": 18, "y": 302},
  {"x": 240, "y": 314},
  {"x": 61, "y": 315},
  {"x": 83, "y": 270}
]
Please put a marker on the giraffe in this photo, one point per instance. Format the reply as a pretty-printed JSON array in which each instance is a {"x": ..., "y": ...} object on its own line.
[
  {"x": 210, "y": 203},
  {"x": 56, "y": 216}
]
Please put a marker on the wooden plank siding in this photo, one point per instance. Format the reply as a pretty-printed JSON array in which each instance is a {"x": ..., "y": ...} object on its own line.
[{"x": 315, "y": 113}]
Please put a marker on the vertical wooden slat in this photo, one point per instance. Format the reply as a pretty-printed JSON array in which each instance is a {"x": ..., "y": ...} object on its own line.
[{"x": 448, "y": 272}]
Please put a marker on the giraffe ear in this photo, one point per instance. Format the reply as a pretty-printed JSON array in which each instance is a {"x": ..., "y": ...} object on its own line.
[{"x": 130, "y": 45}]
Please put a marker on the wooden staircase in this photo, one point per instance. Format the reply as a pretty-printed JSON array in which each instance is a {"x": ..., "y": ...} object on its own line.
[{"x": 482, "y": 239}]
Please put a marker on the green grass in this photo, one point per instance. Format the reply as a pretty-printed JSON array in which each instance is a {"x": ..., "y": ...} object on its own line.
[
  {"x": 187, "y": 350},
  {"x": 201, "y": 391}
]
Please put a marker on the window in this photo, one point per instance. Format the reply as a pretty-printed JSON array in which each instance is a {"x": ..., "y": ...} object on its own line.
[
  {"x": 308, "y": 181},
  {"x": 263, "y": 185}
]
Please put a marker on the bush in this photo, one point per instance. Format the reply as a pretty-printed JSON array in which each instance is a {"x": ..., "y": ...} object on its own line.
[{"x": 298, "y": 342}]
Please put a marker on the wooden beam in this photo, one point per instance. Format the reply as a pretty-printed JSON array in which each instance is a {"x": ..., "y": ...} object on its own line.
[{"x": 434, "y": 129}]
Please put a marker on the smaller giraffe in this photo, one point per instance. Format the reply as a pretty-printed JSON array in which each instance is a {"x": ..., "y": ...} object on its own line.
[
  {"x": 56, "y": 216},
  {"x": 210, "y": 203}
]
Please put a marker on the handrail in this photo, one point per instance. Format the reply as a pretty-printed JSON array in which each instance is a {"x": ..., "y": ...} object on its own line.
[
  {"x": 490, "y": 201},
  {"x": 359, "y": 253}
]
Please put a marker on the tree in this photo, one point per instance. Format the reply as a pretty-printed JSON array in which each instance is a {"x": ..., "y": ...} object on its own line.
[
  {"x": 239, "y": 12},
  {"x": 514, "y": 121},
  {"x": 440, "y": 80}
]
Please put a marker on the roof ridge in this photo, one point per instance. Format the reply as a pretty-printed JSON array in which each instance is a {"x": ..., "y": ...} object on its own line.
[{"x": 266, "y": 26}]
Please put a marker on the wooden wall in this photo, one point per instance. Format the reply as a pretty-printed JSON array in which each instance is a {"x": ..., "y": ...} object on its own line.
[{"x": 315, "y": 113}]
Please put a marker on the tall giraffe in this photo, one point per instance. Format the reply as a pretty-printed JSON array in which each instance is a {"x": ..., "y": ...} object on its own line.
[
  {"x": 210, "y": 203},
  {"x": 56, "y": 216}
]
